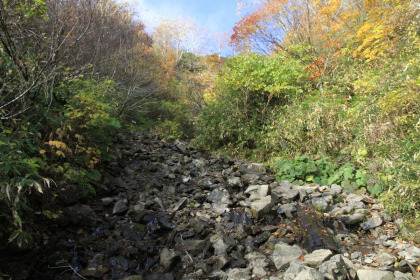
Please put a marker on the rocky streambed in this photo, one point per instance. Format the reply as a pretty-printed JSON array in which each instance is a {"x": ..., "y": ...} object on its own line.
[{"x": 168, "y": 211}]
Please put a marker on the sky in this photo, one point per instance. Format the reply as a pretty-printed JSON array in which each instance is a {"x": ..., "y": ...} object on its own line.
[{"x": 213, "y": 15}]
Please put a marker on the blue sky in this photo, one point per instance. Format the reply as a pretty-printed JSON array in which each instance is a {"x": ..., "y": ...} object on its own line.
[{"x": 213, "y": 15}]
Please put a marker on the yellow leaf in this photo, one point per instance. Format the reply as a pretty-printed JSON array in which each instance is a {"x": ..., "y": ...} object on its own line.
[
  {"x": 42, "y": 151},
  {"x": 60, "y": 167},
  {"x": 60, "y": 153}
]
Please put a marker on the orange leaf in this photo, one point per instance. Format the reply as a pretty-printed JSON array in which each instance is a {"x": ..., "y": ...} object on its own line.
[{"x": 302, "y": 257}]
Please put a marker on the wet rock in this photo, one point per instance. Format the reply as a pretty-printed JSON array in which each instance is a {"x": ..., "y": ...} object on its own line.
[
  {"x": 370, "y": 274},
  {"x": 120, "y": 207},
  {"x": 260, "y": 208},
  {"x": 284, "y": 254},
  {"x": 317, "y": 257},
  {"x": 373, "y": 222}
]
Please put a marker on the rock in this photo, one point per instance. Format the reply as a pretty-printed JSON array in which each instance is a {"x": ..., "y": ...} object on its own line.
[
  {"x": 320, "y": 204},
  {"x": 120, "y": 207},
  {"x": 262, "y": 207},
  {"x": 194, "y": 247},
  {"x": 386, "y": 258},
  {"x": 369, "y": 274},
  {"x": 220, "y": 208},
  {"x": 401, "y": 276},
  {"x": 257, "y": 168},
  {"x": 168, "y": 257},
  {"x": 182, "y": 202},
  {"x": 334, "y": 269},
  {"x": 239, "y": 274},
  {"x": 317, "y": 257},
  {"x": 284, "y": 254},
  {"x": 257, "y": 192},
  {"x": 219, "y": 196},
  {"x": 222, "y": 261},
  {"x": 250, "y": 178},
  {"x": 336, "y": 189},
  {"x": 411, "y": 254},
  {"x": 287, "y": 209},
  {"x": 223, "y": 245},
  {"x": 372, "y": 222},
  {"x": 309, "y": 274},
  {"x": 180, "y": 145},
  {"x": 234, "y": 181},
  {"x": 355, "y": 218},
  {"x": 294, "y": 269},
  {"x": 134, "y": 277},
  {"x": 107, "y": 200}
]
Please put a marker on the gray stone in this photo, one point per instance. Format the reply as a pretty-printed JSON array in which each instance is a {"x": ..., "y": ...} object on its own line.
[
  {"x": 355, "y": 218},
  {"x": 353, "y": 198},
  {"x": 336, "y": 189},
  {"x": 309, "y": 274},
  {"x": 257, "y": 168},
  {"x": 182, "y": 202},
  {"x": 386, "y": 258},
  {"x": 320, "y": 204},
  {"x": 372, "y": 222},
  {"x": 180, "y": 145},
  {"x": 223, "y": 245},
  {"x": 291, "y": 194},
  {"x": 234, "y": 181},
  {"x": 168, "y": 257},
  {"x": 369, "y": 274},
  {"x": 262, "y": 207},
  {"x": 220, "y": 208},
  {"x": 250, "y": 178},
  {"x": 335, "y": 268},
  {"x": 317, "y": 257},
  {"x": 294, "y": 269},
  {"x": 195, "y": 247},
  {"x": 219, "y": 196},
  {"x": 221, "y": 261},
  {"x": 257, "y": 192},
  {"x": 107, "y": 200},
  {"x": 239, "y": 274},
  {"x": 401, "y": 276},
  {"x": 256, "y": 259},
  {"x": 284, "y": 254},
  {"x": 287, "y": 209},
  {"x": 120, "y": 207}
]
